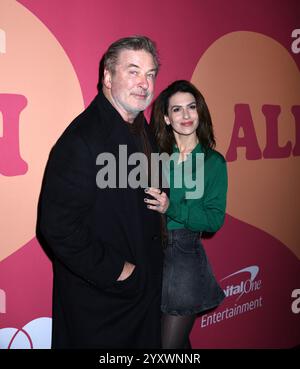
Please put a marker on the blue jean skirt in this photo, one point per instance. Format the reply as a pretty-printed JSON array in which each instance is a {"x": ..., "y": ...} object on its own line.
[{"x": 189, "y": 285}]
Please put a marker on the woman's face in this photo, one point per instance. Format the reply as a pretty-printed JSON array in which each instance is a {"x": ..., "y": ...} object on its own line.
[{"x": 182, "y": 114}]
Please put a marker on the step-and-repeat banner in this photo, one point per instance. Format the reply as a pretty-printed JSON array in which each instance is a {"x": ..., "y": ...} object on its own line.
[{"x": 245, "y": 58}]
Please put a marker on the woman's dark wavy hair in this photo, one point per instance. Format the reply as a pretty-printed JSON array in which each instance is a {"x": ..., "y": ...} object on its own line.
[{"x": 164, "y": 133}]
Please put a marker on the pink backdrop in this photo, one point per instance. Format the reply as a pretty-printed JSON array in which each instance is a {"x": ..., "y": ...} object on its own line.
[{"x": 245, "y": 58}]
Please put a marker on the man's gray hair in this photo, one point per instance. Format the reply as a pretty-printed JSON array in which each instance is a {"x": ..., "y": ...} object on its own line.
[{"x": 110, "y": 58}]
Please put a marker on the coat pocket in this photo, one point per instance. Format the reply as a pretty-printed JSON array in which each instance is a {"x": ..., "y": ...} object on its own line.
[
  {"x": 129, "y": 279},
  {"x": 129, "y": 287}
]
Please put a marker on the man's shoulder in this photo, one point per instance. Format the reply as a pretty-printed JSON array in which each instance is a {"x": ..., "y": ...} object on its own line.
[
  {"x": 151, "y": 136},
  {"x": 85, "y": 121},
  {"x": 84, "y": 127}
]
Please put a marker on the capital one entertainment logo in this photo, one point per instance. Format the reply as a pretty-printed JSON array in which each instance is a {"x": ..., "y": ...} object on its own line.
[{"x": 247, "y": 284}]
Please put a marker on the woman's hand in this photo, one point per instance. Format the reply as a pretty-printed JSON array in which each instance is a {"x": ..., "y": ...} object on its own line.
[{"x": 160, "y": 203}]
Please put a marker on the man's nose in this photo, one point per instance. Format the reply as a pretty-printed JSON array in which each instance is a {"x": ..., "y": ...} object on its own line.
[{"x": 143, "y": 82}]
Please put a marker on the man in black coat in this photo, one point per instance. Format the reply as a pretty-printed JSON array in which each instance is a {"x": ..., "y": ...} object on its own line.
[{"x": 104, "y": 243}]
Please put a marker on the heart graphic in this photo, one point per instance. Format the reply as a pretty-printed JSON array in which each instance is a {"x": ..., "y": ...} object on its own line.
[
  {"x": 35, "y": 74},
  {"x": 252, "y": 86}
]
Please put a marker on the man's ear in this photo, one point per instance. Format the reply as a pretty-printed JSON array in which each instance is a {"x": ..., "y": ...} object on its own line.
[
  {"x": 167, "y": 120},
  {"x": 107, "y": 78}
]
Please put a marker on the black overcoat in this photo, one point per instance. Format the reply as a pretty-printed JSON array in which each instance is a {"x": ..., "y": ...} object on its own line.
[{"x": 90, "y": 232}]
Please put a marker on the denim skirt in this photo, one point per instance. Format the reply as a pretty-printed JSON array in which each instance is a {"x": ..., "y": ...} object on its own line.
[{"x": 189, "y": 285}]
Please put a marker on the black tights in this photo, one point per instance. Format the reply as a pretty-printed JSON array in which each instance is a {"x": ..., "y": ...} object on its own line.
[{"x": 176, "y": 330}]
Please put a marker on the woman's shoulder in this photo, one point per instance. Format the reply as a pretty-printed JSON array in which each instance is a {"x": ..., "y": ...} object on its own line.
[
  {"x": 215, "y": 164},
  {"x": 215, "y": 156}
]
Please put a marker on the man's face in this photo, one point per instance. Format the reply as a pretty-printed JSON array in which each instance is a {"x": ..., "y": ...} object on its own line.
[{"x": 130, "y": 87}]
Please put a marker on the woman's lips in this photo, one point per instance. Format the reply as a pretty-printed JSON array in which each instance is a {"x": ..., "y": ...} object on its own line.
[{"x": 187, "y": 124}]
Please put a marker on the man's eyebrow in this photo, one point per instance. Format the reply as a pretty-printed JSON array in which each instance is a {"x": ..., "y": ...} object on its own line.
[
  {"x": 131, "y": 65},
  {"x": 153, "y": 70}
]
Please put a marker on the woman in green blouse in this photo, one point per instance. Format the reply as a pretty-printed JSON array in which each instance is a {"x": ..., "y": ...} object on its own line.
[{"x": 183, "y": 127}]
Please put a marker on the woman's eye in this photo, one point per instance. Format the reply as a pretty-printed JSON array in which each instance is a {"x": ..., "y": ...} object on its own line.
[
  {"x": 176, "y": 110},
  {"x": 193, "y": 107}
]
